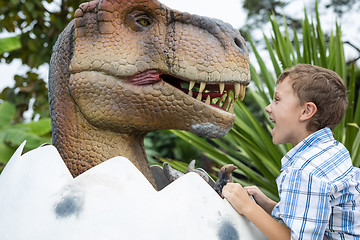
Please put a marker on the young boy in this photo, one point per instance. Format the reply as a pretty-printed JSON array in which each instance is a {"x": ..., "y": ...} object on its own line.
[{"x": 319, "y": 188}]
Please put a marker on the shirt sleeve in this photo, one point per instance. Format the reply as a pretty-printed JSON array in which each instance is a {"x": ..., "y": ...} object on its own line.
[{"x": 304, "y": 204}]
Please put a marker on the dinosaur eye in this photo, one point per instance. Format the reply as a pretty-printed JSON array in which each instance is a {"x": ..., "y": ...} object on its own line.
[
  {"x": 143, "y": 22},
  {"x": 138, "y": 21}
]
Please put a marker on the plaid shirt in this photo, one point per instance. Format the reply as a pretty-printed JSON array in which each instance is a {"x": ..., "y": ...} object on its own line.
[{"x": 319, "y": 190}]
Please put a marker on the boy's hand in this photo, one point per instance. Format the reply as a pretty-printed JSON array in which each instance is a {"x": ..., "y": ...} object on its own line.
[
  {"x": 266, "y": 203},
  {"x": 238, "y": 197}
]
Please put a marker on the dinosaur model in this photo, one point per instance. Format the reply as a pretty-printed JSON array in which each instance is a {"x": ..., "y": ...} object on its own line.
[
  {"x": 122, "y": 69},
  {"x": 224, "y": 177}
]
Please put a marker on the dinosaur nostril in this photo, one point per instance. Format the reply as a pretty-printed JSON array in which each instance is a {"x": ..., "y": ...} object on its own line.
[{"x": 240, "y": 45}]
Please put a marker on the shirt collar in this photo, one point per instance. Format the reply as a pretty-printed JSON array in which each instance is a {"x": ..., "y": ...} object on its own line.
[{"x": 322, "y": 135}]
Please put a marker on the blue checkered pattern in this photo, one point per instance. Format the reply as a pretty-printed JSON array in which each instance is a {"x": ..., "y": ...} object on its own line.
[{"x": 319, "y": 190}]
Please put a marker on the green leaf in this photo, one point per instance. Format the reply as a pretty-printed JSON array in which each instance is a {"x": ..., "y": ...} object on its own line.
[
  {"x": 321, "y": 39},
  {"x": 357, "y": 109},
  {"x": 9, "y": 44},
  {"x": 41, "y": 127},
  {"x": 272, "y": 57},
  {"x": 349, "y": 117},
  {"x": 264, "y": 69},
  {"x": 5, "y": 154},
  {"x": 332, "y": 52},
  {"x": 14, "y": 137},
  {"x": 299, "y": 58},
  {"x": 306, "y": 39},
  {"x": 7, "y": 114},
  {"x": 355, "y": 155}
]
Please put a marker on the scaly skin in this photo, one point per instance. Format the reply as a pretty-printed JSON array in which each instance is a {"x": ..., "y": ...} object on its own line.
[{"x": 113, "y": 75}]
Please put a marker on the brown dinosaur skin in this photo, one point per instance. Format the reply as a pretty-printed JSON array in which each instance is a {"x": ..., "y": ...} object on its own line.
[{"x": 110, "y": 73}]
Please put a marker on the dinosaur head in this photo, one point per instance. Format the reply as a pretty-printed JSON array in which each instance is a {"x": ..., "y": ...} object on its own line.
[
  {"x": 139, "y": 66},
  {"x": 122, "y": 69}
]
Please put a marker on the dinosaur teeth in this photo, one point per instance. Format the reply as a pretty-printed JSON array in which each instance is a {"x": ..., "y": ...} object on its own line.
[
  {"x": 226, "y": 103},
  {"x": 242, "y": 92},
  {"x": 202, "y": 87},
  {"x": 232, "y": 106},
  {"x": 221, "y": 95},
  {"x": 220, "y": 100},
  {"x": 191, "y": 85},
  {"x": 225, "y": 97},
  {"x": 237, "y": 88},
  {"x": 208, "y": 99},
  {"x": 221, "y": 87}
]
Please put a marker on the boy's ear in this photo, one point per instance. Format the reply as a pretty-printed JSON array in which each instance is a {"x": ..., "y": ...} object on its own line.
[{"x": 308, "y": 111}]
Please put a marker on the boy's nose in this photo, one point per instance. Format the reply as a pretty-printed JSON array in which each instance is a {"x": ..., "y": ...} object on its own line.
[{"x": 268, "y": 109}]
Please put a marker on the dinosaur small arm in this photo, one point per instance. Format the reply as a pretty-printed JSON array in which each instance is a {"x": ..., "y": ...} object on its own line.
[{"x": 122, "y": 69}]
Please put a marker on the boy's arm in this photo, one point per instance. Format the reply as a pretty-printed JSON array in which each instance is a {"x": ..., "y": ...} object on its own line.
[{"x": 243, "y": 204}]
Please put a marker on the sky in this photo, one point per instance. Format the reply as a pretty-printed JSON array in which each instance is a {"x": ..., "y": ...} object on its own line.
[{"x": 228, "y": 11}]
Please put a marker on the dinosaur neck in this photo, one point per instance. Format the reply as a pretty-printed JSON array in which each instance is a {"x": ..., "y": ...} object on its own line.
[
  {"x": 83, "y": 146},
  {"x": 94, "y": 146}
]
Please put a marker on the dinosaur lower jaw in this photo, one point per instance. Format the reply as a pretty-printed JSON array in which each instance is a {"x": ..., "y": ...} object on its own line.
[{"x": 219, "y": 95}]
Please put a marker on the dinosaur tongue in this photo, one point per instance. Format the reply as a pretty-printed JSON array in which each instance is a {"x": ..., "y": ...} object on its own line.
[{"x": 145, "y": 78}]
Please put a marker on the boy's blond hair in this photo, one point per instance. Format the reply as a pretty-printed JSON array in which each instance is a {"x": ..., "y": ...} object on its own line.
[{"x": 324, "y": 88}]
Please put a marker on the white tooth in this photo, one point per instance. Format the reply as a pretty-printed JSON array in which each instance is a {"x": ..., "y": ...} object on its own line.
[
  {"x": 242, "y": 92},
  {"x": 232, "y": 106},
  {"x": 199, "y": 96},
  {"x": 191, "y": 85},
  {"x": 202, "y": 86},
  {"x": 208, "y": 99},
  {"x": 190, "y": 93},
  {"x": 237, "y": 88},
  {"x": 226, "y": 104},
  {"x": 221, "y": 87}
]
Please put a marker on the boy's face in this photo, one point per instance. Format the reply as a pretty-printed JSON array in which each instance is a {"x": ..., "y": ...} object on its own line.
[{"x": 285, "y": 112}]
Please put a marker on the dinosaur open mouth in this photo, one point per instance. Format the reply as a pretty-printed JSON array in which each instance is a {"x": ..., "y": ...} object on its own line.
[{"x": 219, "y": 95}]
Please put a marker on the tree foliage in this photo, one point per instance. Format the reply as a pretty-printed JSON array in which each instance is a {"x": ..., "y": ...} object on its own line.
[
  {"x": 258, "y": 11},
  {"x": 9, "y": 44},
  {"x": 36, "y": 24},
  {"x": 26, "y": 88},
  {"x": 12, "y": 135}
]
